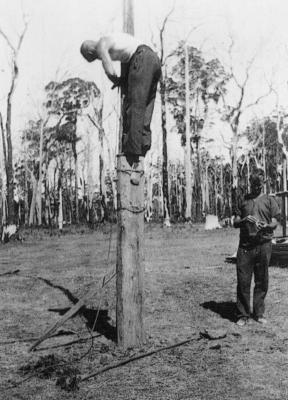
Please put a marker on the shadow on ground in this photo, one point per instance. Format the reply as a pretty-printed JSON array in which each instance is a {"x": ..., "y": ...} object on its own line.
[
  {"x": 226, "y": 309},
  {"x": 96, "y": 320}
]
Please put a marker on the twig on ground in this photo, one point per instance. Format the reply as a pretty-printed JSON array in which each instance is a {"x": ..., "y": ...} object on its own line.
[
  {"x": 79, "y": 340},
  {"x": 72, "y": 311},
  {"x": 33, "y": 339},
  {"x": 124, "y": 362},
  {"x": 16, "y": 271}
]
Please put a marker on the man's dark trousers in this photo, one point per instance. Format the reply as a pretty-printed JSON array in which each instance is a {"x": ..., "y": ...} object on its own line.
[
  {"x": 248, "y": 261},
  {"x": 143, "y": 74}
]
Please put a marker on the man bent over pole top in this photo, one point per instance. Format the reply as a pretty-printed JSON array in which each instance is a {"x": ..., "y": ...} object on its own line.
[{"x": 139, "y": 86}]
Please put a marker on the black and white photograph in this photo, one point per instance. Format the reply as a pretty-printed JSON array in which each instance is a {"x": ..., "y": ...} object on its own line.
[{"x": 143, "y": 199}]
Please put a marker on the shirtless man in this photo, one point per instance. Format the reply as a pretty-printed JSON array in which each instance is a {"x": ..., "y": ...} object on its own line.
[{"x": 139, "y": 86}]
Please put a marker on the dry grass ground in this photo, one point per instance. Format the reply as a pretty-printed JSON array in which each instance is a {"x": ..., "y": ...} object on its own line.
[{"x": 188, "y": 288}]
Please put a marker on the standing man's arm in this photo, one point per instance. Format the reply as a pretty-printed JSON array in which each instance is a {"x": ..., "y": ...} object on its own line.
[
  {"x": 275, "y": 216},
  {"x": 238, "y": 221}
]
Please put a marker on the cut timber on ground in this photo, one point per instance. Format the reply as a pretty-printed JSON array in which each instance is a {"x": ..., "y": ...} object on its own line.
[
  {"x": 128, "y": 360},
  {"x": 69, "y": 314}
]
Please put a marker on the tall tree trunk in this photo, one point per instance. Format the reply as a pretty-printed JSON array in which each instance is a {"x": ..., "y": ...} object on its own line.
[
  {"x": 48, "y": 216},
  {"x": 9, "y": 154},
  {"x": 10, "y": 169},
  {"x": 26, "y": 205},
  {"x": 76, "y": 182},
  {"x": 47, "y": 213},
  {"x": 60, "y": 210},
  {"x": 248, "y": 173},
  {"x": 165, "y": 181},
  {"x": 215, "y": 190},
  {"x": 4, "y": 147},
  {"x": 234, "y": 156},
  {"x": 39, "y": 194},
  {"x": 264, "y": 155},
  {"x": 76, "y": 189},
  {"x": 33, "y": 201},
  {"x": 3, "y": 168},
  {"x": 234, "y": 188},
  {"x": 187, "y": 161},
  {"x": 221, "y": 181}
]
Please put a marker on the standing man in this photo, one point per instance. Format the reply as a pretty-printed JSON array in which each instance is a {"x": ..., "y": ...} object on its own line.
[
  {"x": 257, "y": 218},
  {"x": 139, "y": 86}
]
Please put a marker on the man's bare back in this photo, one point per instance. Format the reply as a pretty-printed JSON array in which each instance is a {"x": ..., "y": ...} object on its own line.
[{"x": 114, "y": 47}]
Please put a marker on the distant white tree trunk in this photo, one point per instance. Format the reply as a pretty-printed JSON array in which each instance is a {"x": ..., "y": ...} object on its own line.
[
  {"x": 188, "y": 168},
  {"x": 39, "y": 192},
  {"x": 60, "y": 211},
  {"x": 248, "y": 172},
  {"x": 93, "y": 173},
  {"x": 207, "y": 199},
  {"x": 76, "y": 190},
  {"x": 3, "y": 176},
  {"x": 33, "y": 201},
  {"x": 7, "y": 132}
]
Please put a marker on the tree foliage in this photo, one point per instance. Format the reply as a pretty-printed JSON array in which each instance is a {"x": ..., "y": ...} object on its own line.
[{"x": 207, "y": 80}]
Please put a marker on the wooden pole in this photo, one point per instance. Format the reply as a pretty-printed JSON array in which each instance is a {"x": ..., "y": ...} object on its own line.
[
  {"x": 130, "y": 204},
  {"x": 129, "y": 282},
  {"x": 128, "y": 16},
  {"x": 128, "y": 27}
]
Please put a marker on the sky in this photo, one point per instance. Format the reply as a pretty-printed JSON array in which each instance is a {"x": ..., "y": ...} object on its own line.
[{"x": 56, "y": 29}]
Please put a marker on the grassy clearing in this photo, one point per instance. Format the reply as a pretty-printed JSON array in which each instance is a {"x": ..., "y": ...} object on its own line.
[{"x": 188, "y": 288}]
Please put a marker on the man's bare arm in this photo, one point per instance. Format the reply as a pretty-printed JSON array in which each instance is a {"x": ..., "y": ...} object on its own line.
[{"x": 103, "y": 51}]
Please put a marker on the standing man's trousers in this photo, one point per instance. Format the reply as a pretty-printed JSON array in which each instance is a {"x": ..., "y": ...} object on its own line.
[{"x": 251, "y": 261}]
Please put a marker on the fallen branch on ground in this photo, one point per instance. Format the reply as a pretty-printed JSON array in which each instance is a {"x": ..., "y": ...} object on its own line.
[
  {"x": 16, "y": 271},
  {"x": 80, "y": 340},
  {"x": 71, "y": 313},
  {"x": 124, "y": 362},
  {"x": 12, "y": 341}
]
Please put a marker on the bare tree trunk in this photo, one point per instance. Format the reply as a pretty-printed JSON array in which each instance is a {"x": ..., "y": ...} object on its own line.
[
  {"x": 60, "y": 211},
  {"x": 207, "y": 188},
  {"x": 3, "y": 144},
  {"x": 39, "y": 194},
  {"x": 10, "y": 169},
  {"x": 33, "y": 201},
  {"x": 4, "y": 208},
  {"x": 221, "y": 180},
  {"x": 234, "y": 159},
  {"x": 248, "y": 173},
  {"x": 165, "y": 182},
  {"x": 76, "y": 183},
  {"x": 9, "y": 154},
  {"x": 3, "y": 168},
  {"x": 188, "y": 140},
  {"x": 264, "y": 155},
  {"x": 215, "y": 190},
  {"x": 26, "y": 205},
  {"x": 47, "y": 208}
]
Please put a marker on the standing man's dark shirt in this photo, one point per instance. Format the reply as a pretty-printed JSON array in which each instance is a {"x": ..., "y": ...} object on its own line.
[{"x": 264, "y": 208}]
